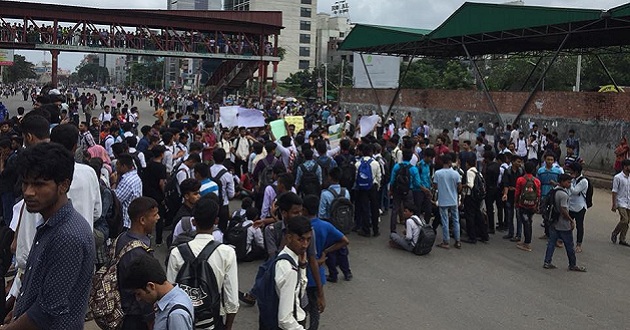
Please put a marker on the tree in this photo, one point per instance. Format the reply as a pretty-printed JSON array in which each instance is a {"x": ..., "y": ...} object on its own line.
[
  {"x": 148, "y": 73},
  {"x": 21, "y": 69},
  {"x": 429, "y": 73},
  {"x": 302, "y": 83},
  {"x": 92, "y": 73}
]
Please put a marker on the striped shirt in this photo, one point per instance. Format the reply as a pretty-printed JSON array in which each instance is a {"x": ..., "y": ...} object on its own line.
[{"x": 208, "y": 186}]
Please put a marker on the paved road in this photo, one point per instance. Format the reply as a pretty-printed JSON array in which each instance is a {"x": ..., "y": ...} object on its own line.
[{"x": 486, "y": 286}]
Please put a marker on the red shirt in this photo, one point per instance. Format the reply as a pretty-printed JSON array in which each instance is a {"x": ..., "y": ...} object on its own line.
[{"x": 520, "y": 185}]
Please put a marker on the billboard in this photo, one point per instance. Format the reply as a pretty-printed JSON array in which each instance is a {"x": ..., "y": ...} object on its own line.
[
  {"x": 6, "y": 57},
  {"x": 384, "y": 71}
]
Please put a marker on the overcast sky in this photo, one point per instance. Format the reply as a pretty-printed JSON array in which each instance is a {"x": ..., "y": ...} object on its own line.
[{"x": 426, "y": 14}]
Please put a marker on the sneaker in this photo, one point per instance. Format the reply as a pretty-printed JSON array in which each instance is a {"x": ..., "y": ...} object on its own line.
[
  {"x": 363, "y": 233},
  {"x": 508, "y": 237},
  {"x": 348, "y": 276},
  {"x": 578, "y": 249},
  {"x": 543, "y": 237},
  {"x": 549, "y": 266},
  {"x": 515, "y": 239},
  {"x": 624, "y": 243},
  {"x": 524, "y": 247},
  {"x": 581, "y": 269},
  {"x": 331, "y": 279},
  {"x": 246, "y": 298}
]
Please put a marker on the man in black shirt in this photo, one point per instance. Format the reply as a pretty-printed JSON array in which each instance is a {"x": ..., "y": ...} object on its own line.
[
  {"x": 491, "y": 175},
  {"x": 509, "y": 186},
  {"x": 153, "y": 181}
]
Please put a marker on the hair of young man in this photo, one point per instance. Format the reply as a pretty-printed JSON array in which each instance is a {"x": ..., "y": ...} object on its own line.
[
  {"x": 286, "y": 141},
  {"x": 530, "y": 167},
  {"x": 270, "y": 147},
  {"x": 409, "y": 206},
  {"x": 140, "y": 207},
  {"x": 188, "y": 186},
  {"x": 488, "y": 156},
  {"x": 143, "y": 270},
  {"x": 251, "y": 213},
  {"x": 145, "y": 130},
  {"x": 258, "y": 147},
  {"x": 308, "y": 154},
  {"x": 202, "y": 169},
  {"x": 286, "y": 179},
  {"x": 335, "y": 174},
  {"x": 218, "y": 155},
  {"x": 167, "y": 137},
  {"x": 36, "y": 125},
  {"x": 205, "y": 212},
  {"x": 195, "y": 158},
  {"x": 311, "y": 205},
  {"x": 125, "y": 159},
  {"x": 48, "y": 161},
  {"x": 564, "y": 178},
  {"x": 119, "y": 148},
  {"x": 407, "y": 154},
  {"x": 471, "y": 162},
  {"x": 625, "y": 162},
  {"x": 158, "y": 151},
  {"x": 286, "y": 201},
  {"x": 446, "y": 159},
  {"x": 131, "y": 141},
  {"x": 320, "y": 146},
  {"x": 66, "y": 134},
  {"x": 299, "y": 225},
  {"x": 113, "y": 129},
  {"x": 246, "y": 203},
  {"x": 344, "y": 144},
  {"x": 195, "y": 147}
]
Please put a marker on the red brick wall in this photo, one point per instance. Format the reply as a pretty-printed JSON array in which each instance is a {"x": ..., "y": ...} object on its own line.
[{"x": 582, "y": 105}]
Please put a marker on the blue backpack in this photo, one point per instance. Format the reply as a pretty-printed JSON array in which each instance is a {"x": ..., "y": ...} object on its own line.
[
  {"x": 265, "y": 292},
  {"x": 364, "y": 181}
]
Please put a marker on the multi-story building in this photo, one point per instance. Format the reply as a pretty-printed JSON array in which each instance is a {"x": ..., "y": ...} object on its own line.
[
  {"x": 298, "y": 36},
  {"x": 331, "y": 31}
]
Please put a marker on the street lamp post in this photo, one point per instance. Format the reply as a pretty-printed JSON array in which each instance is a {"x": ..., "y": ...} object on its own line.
[{"x": 325, "y": 82}]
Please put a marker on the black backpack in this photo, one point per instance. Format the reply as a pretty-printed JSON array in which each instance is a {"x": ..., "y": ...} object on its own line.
[
  {"x": 478, "y": 192},
  {"x": 341, "y": 211},
  {"x": 237, "y": 237},
  {"x": 550, "y": 213},
  {"x": 172, "y": 196},
  {"x": 265, "y": 177},
  {"x": 137, "y": 162},
  {"x": 265, "y": 291},
  {"x": 197, "y": 279},
  {"x": 589, "y": 192},
  {"x": 426, "y": 237},
  {"x": 348, "y": 172},
  {"x": 309, "y": 185},
  {"x": 217, "y": 180},
  {"x": 401, "y": 182}
]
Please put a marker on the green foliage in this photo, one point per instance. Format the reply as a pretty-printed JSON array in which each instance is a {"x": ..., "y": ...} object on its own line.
[
  {"x": 302, "y": 84},
  {"x": 148, "y": 73},
  {"x": 20, "y": 70},
  {"x": 92, "y": 73},
  {"x": 436, "y": 74}
]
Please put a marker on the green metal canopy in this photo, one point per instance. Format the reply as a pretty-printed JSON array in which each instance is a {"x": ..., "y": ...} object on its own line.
[{"x": 482, "y": 29}]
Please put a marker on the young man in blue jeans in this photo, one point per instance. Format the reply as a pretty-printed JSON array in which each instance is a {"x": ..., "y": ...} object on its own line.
[
  {"x": 563, "y": 227},
  {"x": 449, "y": 184}
]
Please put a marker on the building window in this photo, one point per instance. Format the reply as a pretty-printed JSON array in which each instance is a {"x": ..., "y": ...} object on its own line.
[
  {"x": 341, "y": 34},
  {"x": 304, "y": 65},
  {"x": 305, "y": 38},
  {"x": 307, "y": 2},
  {"x": 305, "y": 12},
  {"x": 305, "y": 25},
  {"x": 305, "y": 51}
]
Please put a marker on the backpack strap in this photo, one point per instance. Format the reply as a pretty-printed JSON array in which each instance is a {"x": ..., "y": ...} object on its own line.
[
  {"x": 334, "y": 193},
  {"x": 174, "y": 308},
  {"x": 219, "y": 175},
  {"x": 130, "y": 246},
  {"x": 208, "y": 250}
]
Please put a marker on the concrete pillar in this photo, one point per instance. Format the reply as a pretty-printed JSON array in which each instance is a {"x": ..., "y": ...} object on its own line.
[{"x": 55, "y": 66}]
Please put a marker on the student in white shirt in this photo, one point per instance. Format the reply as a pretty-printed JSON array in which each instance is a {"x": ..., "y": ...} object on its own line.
[
  {"x": 291, "y": 288},
  {"x": 222, "y": 261},
  {"x": 255, "y": 241},
  {"x": 411, "y": 232}
]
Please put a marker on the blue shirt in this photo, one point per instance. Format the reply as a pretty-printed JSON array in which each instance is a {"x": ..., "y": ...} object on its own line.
[
  {"x": 326, "y": 198},
  {"x": 208, "y": 186},
  {"x": 425, "y": 175},
  {"x": 59, "y": 270},
  {"x": 414, "y": 176},
  {"x": 447, "y": 180},
  {"x": 167, "y": 318},
  {"x": 546, "y": 176},
  {"x": 325, "y": 235}
]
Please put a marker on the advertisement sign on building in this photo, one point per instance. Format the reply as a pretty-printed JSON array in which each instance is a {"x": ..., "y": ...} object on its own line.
[
  {"x": 384, "y": 71},
  {"x": 6, "y": 57}
]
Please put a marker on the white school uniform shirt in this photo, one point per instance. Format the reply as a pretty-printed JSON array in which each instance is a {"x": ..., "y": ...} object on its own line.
[
  {"x": 290, "y": 287},
  {"x": 223, "y": 263},
  {"x": 254, "y": 236}
]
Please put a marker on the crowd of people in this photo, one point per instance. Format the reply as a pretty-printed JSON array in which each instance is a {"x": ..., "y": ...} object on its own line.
[
  {"x": 141, "y": 38},
  {"x": 79, "y": 196}
]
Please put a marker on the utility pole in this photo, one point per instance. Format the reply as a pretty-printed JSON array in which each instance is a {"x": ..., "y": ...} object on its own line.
[
  {"x": 578, "y": 77},
  {"x": 325, "y": 82},
  {"x": 341, "y": 75}
]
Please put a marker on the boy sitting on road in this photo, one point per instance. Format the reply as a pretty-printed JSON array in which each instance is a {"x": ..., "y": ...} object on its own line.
[{"x": 412, "y": 231}]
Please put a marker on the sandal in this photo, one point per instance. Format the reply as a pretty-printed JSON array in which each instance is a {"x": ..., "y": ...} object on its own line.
[
  {"x": 444, "y": 246},
  {"x": 458, "y": 245},
  {"x": 578, "y": 249},
  {"x": 578, "y": 269}
]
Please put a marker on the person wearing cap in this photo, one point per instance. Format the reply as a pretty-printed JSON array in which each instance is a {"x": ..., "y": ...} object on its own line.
[{"x": 577, "y": 201}]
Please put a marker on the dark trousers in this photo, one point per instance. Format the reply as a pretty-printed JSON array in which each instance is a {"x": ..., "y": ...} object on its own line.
[
  {"x": 339, "y": 259},
  {"x": 312, "y": 309},
  {"x": 224, "y": 217},
  {"x": 508, "y": 208},
  {"x": 422, "y": 201},
  {"x": 500, "y": 209},
  {"x": 579, "y": 224},
  {"x": 240, "y": 166},
  {"x": 567, "y": 237},
  {"x": 491, "y": 197},
  {"x": 526, "y": 216},
  {"x": 475, "y": 226},
  {"x": 367, "y": 202}
]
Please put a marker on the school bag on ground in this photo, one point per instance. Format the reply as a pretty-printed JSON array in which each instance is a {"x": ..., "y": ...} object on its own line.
[
  {"x": 589, "y": 192},
  {"x": 401, "y": 181},
  {"x": 309, "y": 184},
  {"x": 478, "y": 192},
  {"x": 341, "y": 211},
  {"x": 529, "y": 196},
  {"x": 365, "y": 180},
  {"x": 104, "y": 298},
  {"x": 197, "y": 279},
  {"x": 426, "y": 237},
  {"x": 550, "y": 213},
  {"x": 237, "y": 237},
  {"x": 265, "y": 292}
]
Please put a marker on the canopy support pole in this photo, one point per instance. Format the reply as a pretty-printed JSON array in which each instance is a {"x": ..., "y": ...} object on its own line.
[
  {"x": 535, "y": 89},
  {"x": 371, "y": 84},
  {"x": 531, "y": 73},
  {"x": 391, "y": 105},
  {"x": 486, "y": 90},
  {"x": 608, "y": 73}
]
